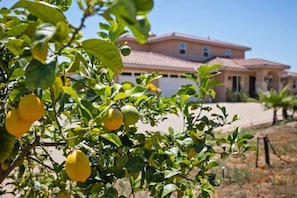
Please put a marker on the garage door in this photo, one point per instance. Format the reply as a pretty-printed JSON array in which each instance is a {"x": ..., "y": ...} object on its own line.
[
  {"x": 128, "y": 76},
  {"x": 170, "y": 83}
]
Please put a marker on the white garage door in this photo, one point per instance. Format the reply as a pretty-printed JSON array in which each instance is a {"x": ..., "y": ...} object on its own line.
[
  {"x": 170, "y": 83},
  {"x": 128, "y": 76}
]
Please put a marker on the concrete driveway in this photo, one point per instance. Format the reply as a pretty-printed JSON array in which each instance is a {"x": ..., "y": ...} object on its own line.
[{"x": 249, "y": 114}]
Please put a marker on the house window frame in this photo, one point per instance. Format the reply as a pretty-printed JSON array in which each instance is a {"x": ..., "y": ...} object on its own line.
[
  {"x": 237, "y": 81},
  {"x": 205, "y": 51},
  {"x": 228, "y": 53},
  {"x": 182, "y": 48},
  {"x": 294, "y": 84}
]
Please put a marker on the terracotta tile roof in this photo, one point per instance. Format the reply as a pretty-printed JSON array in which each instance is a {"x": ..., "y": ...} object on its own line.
[
  {"x": 247, "y": 63},
  {"x": 157, "y": 61},
  {"x": 288, "y": 74},
  {"x": 185, "y": 37},
  {"x": 257, "y": 62},
  {"x": 227, "y": 64}
]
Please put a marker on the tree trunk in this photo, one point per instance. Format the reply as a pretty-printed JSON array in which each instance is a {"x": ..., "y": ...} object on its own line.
[
  {"x": 285, "y": 113},
  {"x": 274, "y": 122}
]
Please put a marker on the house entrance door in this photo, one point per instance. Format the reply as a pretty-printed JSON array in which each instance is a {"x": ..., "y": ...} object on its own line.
[{"x": 252, "y": 91}]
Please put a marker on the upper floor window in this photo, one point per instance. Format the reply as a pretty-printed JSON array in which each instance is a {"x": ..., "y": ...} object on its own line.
[
  {"x": 227, "y": 53},
  {"x": 205, "y": 51},
  {"x": 182, "y": 48}
]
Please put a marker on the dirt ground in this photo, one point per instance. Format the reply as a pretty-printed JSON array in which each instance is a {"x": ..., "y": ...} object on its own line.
[{"x": 242, "y": 179}]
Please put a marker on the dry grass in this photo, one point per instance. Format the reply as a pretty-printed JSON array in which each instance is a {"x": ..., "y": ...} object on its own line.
[{"x": 242, "y": 178}]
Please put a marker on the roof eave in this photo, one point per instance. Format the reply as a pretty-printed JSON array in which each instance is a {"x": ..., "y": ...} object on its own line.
[{"x": 161, "y": 68}]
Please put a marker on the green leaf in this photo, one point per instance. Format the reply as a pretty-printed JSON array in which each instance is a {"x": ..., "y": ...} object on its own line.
[
  {"x": 57, "y": 87},
  {"x": 247, "y": 136},
  {"x": 75, "y": 64},
  {"x": 62, "y": 31},
  {"x": 18, "y": 72},
  {"x": 141, "y": 29},
  {"x": 106, "y": 52},
  {"x": 39, "y": 51},
  {"x": 171, "y": 173},
  {"x": 121, "y": 161},
  {"x": 15, "y": 46},
  {"x": 169, "y": 188},
  {"x": 112, "y": 138},
  {"x": 121, "y": 96},
  {"x": 135, "y": 164},
  {"x": 74, "y": 136},
  {"x": 143, "y": 6},
  {"x": 45, "y": 11},
  {"x": 126, "y": 13},
  {"x": 70, "y": 91},
  {"x": 7, "y": 145},
  {"x": 40, "y": 75},
  {"x": 211, "y": 165},
  {"x": 39, "y": 47},
  {"x": 17, "y": 30}
]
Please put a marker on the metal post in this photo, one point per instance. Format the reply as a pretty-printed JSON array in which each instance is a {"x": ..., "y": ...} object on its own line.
[
  {"x": 266, "y": 149},
  {"x": 257, "y": 152}
]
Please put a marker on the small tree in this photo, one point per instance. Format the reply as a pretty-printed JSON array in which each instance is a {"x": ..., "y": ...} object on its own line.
[
  {"x": 44, "y": 55},
  {"x": 277, "y": 100}
]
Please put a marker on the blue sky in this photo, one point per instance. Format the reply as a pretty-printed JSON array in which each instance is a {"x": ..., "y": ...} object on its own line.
[{"x": 269, "y": 27}]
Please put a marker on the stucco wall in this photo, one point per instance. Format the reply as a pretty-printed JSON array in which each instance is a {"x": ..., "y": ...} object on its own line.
[{"x": 194, "y": 51}]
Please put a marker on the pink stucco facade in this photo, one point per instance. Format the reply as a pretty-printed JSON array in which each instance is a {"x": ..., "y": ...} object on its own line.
[{"x": 180, "y": 53}]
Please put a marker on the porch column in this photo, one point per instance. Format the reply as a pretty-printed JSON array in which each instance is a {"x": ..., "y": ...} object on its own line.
[{"x": 260, "y": 81}]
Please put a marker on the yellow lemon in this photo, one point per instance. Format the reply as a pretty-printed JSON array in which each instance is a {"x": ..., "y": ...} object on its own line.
[
  {"x": 15, "y": 124},
  {"x": 78, "y": 166},
  {"x": 114, "y": 119},
  {"x": 31, "y": 108}
]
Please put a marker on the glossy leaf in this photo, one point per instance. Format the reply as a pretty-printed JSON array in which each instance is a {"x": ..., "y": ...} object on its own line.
[
  {"x": 45, "y": 11},
  {"x": 39, "y": 47},
  {"x": 106, "y": 52},
  {"x": 70, "y": 91},
  {"x": 143, "y": 6},
  {"x": 57, "y": 87},
  {"x": 17, "y": 30},
  {"x": 168, "y": 188},
  {"x": 18, "y": 72},
  {"x": 40, "y": 75},
  {"x": 15, "y": 46},
  {"x": 39, "y": 51},
  {"x": 7, "y": 145},
  {"x": 126, "y": 12},
  {"x": 112, "y": 138}
]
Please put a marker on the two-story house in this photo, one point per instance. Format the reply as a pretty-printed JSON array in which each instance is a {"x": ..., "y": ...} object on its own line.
[{"x": 175, "y": 53}]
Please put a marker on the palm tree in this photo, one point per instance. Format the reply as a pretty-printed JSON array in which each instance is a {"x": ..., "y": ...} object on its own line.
[{"x": 276, "y": 100}]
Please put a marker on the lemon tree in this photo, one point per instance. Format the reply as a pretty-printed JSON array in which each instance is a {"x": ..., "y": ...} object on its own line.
[{"x": 68, "y": 129}]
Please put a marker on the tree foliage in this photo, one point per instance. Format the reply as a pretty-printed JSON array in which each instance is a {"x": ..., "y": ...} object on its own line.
[
  {"x": 278, "y": 100},
  {"x": 43, "y": 53}
]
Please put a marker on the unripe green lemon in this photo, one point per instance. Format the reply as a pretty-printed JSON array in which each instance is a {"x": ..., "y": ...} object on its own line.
[{"x": 130, "y": 114}]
